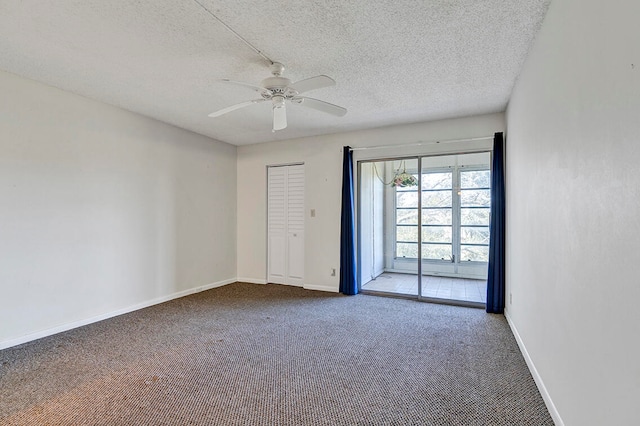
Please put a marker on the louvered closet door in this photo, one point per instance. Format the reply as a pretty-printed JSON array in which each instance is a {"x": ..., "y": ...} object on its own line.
[
  {"x": 286, "y": 225},
  {"x": 295, "y": 225},
  {"x": 277, "y": 221}
]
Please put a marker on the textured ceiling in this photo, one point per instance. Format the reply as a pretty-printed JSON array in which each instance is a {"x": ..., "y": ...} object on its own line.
[{"x": 394, "y": 62}]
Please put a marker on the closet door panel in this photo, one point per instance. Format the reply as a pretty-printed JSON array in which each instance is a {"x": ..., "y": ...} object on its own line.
[
  {"x": 277, "y": 225},
  {"x": 286, "y": 225}
]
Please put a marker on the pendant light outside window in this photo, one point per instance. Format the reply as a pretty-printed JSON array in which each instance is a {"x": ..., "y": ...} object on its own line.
[{"x": 401, "y": 179}]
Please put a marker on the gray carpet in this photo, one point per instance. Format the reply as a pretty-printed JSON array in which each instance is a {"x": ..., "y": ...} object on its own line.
[{"x": 248, "y": 354}]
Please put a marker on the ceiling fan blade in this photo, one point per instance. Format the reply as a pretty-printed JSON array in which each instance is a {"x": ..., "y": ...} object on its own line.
[
  {"x": 320, "y": 105},
  {"x": 279, "y": 118},
  {"x": 313, "y": 83},
  {"x": 247, "y": 85},
  {"x": 235, "y": 107}
]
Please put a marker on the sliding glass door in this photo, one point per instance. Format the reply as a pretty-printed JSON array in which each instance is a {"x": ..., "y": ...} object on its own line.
[
  {"x": 455, "y": 211},
  {"x": 386, "y": 233},
  {"x": 435, "y": 209}
]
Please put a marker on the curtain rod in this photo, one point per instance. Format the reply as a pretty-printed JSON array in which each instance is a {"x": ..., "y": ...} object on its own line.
[{"x": 422, "y": 143}]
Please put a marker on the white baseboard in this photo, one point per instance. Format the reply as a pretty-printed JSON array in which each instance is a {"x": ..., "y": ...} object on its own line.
[
  {"x": 210, "y": 286},
  {"x": 305, "y": 286},
  {"x": 555, "y": 415},
  {"x": 320, "y": 288},
  {"x": 75, "y": 324},
  {"x": 252, "y": 280}
]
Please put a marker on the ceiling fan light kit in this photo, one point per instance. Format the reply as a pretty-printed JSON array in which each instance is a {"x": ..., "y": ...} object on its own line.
[{"x": 279, "y": 90}]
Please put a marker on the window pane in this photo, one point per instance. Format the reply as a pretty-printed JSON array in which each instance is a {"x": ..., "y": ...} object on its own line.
[
  {"x": 436, "y": 217},
  {"x": 437, "y": 180},
  {"x": 407, "y": 250},
  {"x": 474, "y": 253},
  {"x": 407, "y": 199},
  {"x": 436, "y": 234},
  {"x": 474, "y": 235},
  {"x": 436, "y": 198},
  {"x": 407, "y": 216},
  {"x": 407, "y": 233},
  {"x": 436, "y": 251},
  {"x": 475, "y": 216},
  {"x": 475, "y": 179},
  {"x": 475, "y": 198}
]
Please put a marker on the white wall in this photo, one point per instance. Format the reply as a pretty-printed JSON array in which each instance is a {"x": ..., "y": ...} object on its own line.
[
  {"x": 573, "y": 213},
  {"x": 102, "y": 210},
  {"x": 377, "y": 226},
  {"x": 323, "y": 169},
  {"x": 367, "y": 220},
  {"x": 371, "y": 225}
]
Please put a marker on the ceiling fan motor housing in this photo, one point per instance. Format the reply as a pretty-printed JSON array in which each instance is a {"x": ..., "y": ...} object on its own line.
[{"x": 276, "y": 84}]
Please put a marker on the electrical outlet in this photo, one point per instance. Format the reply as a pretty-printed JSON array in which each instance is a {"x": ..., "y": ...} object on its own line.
[
  {"x": 510, "y": 298},
  {"x": 333, "y": 272},
  {"x": 313, "y": 212}
]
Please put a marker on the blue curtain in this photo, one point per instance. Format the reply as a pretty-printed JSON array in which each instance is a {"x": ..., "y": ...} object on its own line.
[
  {"x": 495, "y": 279},
  {"x": 348, "y": 280}
]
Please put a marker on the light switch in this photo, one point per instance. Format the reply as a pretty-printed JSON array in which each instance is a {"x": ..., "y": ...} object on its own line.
[{"x": 313, "y": 212}]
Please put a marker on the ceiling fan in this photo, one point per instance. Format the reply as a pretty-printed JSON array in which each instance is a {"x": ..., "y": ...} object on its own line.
[{"x": 278, "y": 90}]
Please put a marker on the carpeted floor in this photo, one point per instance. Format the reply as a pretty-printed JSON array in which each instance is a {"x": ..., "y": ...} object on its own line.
[{"x": 247, "y": 354}]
